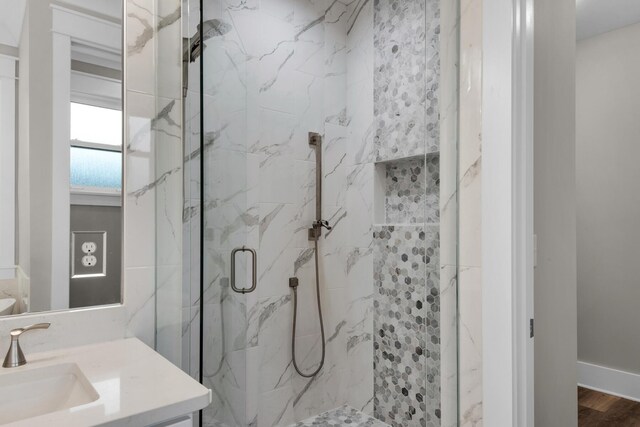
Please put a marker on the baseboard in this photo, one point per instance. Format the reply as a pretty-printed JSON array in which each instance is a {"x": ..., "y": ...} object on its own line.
[{"x": 610, "y": 381}]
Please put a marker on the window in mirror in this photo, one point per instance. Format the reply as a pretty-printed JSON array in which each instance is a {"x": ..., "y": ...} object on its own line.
[
  {"x": 95, "y": 125},
  {"x": 95, "y": 169},
  {"x": 96, "y": 145}
]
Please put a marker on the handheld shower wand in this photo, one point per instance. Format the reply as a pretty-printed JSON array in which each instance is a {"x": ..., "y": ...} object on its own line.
[{"x": 315, "y": 232}]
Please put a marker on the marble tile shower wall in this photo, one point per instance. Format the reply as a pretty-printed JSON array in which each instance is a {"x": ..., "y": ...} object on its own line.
[
  {"x": 153, "y": 211},
  {"x": 449, "y": 210},
  {"x": 470, "y": 175},
  {"x": 275, "y": 70},
  {"x": 191, "y": 205}
]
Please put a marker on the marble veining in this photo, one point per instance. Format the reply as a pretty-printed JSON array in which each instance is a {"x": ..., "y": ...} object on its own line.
[{"x": 357, "y": 71}]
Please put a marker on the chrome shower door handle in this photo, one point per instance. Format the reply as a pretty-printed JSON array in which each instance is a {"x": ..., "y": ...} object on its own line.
[{"x": 254, "y": 270}]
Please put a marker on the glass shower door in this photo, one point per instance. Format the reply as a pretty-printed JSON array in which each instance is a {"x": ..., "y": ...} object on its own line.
[
  {"x": 230, "y": 215},
  {"x": 264, "y": 79},
  {"x": 377, "y": 81}
]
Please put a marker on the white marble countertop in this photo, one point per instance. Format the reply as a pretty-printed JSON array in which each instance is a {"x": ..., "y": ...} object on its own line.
[{"x": 137, "y": 386}]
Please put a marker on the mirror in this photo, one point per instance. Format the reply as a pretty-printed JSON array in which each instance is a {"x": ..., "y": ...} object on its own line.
[{"x": 60, "y": 154}]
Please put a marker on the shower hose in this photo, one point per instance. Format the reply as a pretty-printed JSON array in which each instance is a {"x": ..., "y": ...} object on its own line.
[{"x": 295, "y": 311}]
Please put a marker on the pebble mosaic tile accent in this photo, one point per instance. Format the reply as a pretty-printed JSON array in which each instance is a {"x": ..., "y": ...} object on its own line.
[
  {"x": 406, "y": 257},
  {"x": 412, "y": 190},
  {"x": 406, "y": 77},
  {"x": 432, "y": 324},
  {"x": 343, "y": 416},
  {"x": 407, "y": 333}
]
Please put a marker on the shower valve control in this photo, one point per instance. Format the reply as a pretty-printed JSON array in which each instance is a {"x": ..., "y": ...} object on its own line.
[
  {"x": 315, "y": 232},
  {"x": 323, "y": 223}
]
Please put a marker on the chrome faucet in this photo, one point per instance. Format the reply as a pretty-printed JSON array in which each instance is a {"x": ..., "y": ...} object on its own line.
[{"x": 14, "y": 356}]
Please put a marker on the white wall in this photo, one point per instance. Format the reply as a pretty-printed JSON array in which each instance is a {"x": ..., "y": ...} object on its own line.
[
  {"x": 608, "y": 200},
  {"x": 555, "y": 214}
]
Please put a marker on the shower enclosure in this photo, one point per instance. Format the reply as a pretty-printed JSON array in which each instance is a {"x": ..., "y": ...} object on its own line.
[{"x": 376, "y": 81}]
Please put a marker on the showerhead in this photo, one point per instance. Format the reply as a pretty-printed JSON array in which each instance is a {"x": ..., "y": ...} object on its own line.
[{"x": 192, "y": 47}]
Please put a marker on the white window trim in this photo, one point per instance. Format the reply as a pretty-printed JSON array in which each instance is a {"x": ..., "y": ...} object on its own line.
[
  {"x": 84, "y": 197},
  {"x": 95, "y": 145},
  {"x": 96, "y": 90}
]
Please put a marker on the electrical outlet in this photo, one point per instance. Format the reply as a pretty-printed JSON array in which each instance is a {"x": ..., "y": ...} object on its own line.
[
  {"x": 89, "y": 248},
  {"x": 89, "y": 260},
  {"x": 88, "y": 254}
]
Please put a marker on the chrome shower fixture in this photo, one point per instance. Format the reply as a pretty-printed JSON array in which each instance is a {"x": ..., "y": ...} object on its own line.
[
  {"x": 315, "y": 232},
  {"x": 192, "y": 46}
]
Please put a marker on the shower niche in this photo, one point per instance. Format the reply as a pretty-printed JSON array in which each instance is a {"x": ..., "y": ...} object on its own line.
[{"x": 407, "y": 191}]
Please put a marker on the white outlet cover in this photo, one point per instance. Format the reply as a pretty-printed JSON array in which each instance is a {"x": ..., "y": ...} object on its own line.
[
  {"x": 88, "y": 254},
  {"x": 89, "y": 247},
  {"x": 89, "y": 260}
]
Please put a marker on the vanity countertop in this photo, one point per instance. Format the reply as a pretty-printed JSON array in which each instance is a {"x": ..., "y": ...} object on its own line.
[{"x": 137, "y": 386}]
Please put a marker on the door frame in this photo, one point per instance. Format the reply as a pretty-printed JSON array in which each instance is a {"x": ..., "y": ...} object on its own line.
[{"x": 507, "y": 212}]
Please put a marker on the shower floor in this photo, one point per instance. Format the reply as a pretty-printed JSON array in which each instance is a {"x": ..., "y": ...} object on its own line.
[{"x": 345, "y": 415}]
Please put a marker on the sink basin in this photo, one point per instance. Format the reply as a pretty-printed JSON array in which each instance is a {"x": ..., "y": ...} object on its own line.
[{"x": 28, "y": 392}]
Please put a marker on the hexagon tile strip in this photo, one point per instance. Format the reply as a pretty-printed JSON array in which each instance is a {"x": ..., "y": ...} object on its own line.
[
  {"x": 342, "y": 416},
  {"x": 407, "y": 333},
  {"x": 406, "y": 78}
]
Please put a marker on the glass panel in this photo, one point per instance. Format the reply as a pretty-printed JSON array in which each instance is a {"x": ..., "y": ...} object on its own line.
[
  {"x": 98, "y": 169},
  {"x": 96, "y": 124},
  {"x": 230, "y": 217},
  {"x": 378, "y": 82}
]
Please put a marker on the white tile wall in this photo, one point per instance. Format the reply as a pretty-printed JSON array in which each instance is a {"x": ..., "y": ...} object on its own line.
[{"x": 470, "y": 256}]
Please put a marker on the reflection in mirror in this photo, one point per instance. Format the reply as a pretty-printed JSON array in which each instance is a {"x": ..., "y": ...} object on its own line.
[{"x": 60, "y": 154}]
